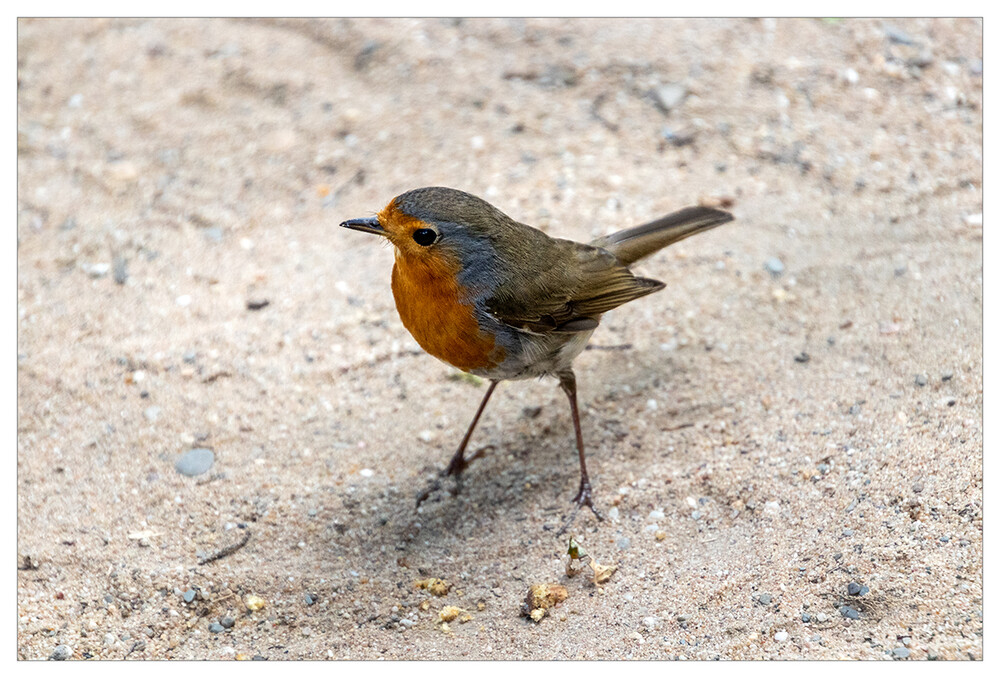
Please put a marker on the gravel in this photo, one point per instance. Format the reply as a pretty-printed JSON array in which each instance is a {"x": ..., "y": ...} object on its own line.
[
  {"x": 195, "y": 462},
  {"x": 61, "y": 653}
]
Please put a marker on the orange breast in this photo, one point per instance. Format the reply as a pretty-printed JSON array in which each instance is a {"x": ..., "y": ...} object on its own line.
[{"x": 433, "y": 309}]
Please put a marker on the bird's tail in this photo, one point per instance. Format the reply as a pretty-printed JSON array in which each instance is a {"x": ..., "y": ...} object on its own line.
[{"x": 638, "y": 242}]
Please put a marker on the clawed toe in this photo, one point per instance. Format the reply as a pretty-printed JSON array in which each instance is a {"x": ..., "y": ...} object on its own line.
[{"x": 584, "y": 497}]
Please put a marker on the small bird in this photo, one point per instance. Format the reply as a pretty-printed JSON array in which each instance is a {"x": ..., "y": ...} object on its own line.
[{"x": 502, "y": 300}]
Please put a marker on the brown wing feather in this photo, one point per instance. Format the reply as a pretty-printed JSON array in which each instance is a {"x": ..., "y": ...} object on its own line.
[{"x": 576, "y": 284}]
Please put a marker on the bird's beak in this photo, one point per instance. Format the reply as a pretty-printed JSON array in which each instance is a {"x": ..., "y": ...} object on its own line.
[{"x": 368, "y": 225}]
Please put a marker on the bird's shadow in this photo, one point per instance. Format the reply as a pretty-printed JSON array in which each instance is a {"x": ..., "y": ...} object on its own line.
[{"x": 529, "y": 475}]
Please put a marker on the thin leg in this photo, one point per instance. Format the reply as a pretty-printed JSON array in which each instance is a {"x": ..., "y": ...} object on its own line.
[
  {"x": 584, "y": 497},
  {"x": 458, "y": 461}
]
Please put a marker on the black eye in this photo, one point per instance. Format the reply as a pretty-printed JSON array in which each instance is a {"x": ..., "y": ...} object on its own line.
[{"x": 424, "y": 236}]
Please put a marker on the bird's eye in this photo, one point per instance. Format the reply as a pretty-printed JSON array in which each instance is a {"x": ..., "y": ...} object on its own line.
[{"x": 424, "y": 236}]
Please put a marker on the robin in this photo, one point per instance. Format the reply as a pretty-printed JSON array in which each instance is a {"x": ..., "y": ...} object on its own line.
[{"x": 502, "y": 300}]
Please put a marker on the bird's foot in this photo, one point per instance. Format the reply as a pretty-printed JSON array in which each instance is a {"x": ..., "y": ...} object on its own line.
[
  {"x": 459, "y": 462},
  {"x": 584, "y": 497}
]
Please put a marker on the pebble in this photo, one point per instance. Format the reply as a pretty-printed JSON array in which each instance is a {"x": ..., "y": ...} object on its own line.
[
  {"x": 216, "y": 627},
  {"x": 227, "y": 622},
  {"x": 898, "y": 36},
  {"x": 774, "y": 266},
  {"x": 669, "y": 96},
  {"x": 613, "y": 513},
  {"x": 120, "y": 267},
  {"x": 623, "y": 543},
  {"x": 650, "y": 622},
  {"x": 920, "y": 380},
  {"x": 98, "y": 270},
  {"x": 311, "y": 598},
  {"x": 806, "y": 618},
  {"x": 821, "y": 617},
  {"x": 781, "y": 636},
  {"x": 195, "y": 462},
  {"x": 855, "y": 589},
  {"x": 918, "y": 487},
  {"x": 848, "y": 533},
  {"x": 849, "y": 612},
  {"x": 900, "y": 653},
  {"x": 61, "y": 653},
  {"x": 189, "y": 596},
  {"x": 683, "y": 618},
  {"x": 764, "y": 599}
]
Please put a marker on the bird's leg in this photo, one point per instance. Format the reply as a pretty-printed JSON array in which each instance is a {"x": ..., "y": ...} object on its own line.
[
  {"x": 458, "y": 461},
  {"x": 584, "y": 497}
]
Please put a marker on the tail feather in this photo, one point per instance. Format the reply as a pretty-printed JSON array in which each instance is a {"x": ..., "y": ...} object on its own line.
[{"x": 633, "y": 244}]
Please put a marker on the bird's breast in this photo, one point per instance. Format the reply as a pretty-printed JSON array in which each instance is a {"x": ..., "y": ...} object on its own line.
[{"x": 439, "y": 314}]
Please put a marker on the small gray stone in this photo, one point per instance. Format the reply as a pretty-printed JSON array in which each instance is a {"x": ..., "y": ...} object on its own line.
[
  {"x": 821, "y": 617},
  {"x": 848, "y": 532},
  {"x": 119, "y": 266},
  {"x": 195, "y": 462},
  {"x": 918, "y": 487},
  {"x": 61, "y": 653},
  {"x": 900, "y": 653},
  {"x": 946, "y": 376},
  {"x": 764, "y": 599},
  {"x": 898, "y": 36},
  {"x": 216, "y": 627},
  {"x": 853, "y": 589},
  {"x": 849, "y": 612},
  {"x": 774, "y": 266},
  {"x": 920, "y": 380},
  {"x": 311, "y": 598},
  {"x": 189, "y": 596},
  {"x": 227, "y": 622},
  {"x": 668, "y": 97}
]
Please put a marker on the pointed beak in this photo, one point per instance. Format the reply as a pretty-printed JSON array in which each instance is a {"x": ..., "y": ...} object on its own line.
[{"x": 368, "y": 225}]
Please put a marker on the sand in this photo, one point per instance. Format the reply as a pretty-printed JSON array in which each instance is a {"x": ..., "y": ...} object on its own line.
[{"x": 799, "y": 410}]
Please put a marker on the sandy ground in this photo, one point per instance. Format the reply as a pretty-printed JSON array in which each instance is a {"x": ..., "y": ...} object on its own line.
[{"x": 759, "y": 439}]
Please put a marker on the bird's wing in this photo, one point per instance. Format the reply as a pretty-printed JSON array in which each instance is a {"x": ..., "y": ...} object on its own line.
[{"x": 568, "y": 291}]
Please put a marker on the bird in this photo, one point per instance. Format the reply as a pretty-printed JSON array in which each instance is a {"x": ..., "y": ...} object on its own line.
[{"x": 503, "y": 301}]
